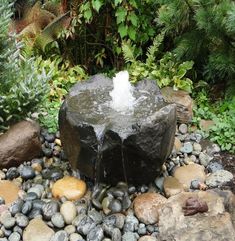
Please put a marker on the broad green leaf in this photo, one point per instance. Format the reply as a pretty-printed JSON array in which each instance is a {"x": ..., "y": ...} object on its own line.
[
  {"x": 132, "y": 33},
  {"x": 122, "y": 29},
  {"x": 133, "y": 18},
  {"x": 116, "y": 2},
  {"x": 121, "y": 15},
  {"x": 97, "y": 4},
  {"x": 133, "y": 3},
  {"x": 87, "y": 14}
]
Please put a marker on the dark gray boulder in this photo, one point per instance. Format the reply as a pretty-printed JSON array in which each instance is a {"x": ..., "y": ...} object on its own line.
[{"x": 108, "y": 146}]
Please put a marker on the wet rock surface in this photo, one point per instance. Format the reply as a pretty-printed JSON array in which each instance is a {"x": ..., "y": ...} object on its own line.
[{"x": 108, "y": 150}]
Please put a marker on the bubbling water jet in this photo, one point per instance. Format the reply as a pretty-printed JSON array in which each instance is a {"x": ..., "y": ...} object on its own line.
[{"x": 122, "y": 93}]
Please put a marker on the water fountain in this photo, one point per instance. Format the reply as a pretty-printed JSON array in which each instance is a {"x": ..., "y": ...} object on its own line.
[{"x": 113, "y": 131}]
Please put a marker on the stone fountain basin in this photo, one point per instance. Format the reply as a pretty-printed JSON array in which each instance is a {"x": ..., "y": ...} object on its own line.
[{"x": 128, "y": 149}]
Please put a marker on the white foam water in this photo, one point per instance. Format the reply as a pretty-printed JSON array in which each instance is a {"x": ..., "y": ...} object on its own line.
[{"x": 122, "y": 93}]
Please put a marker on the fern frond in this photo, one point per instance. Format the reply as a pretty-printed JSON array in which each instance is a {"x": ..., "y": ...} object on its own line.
[
  {"x": 128, "y": 52},
  {"x": 154, "y": 48}
]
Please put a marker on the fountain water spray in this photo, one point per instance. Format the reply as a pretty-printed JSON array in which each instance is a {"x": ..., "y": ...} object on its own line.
[{"x": 122, "y": 93}]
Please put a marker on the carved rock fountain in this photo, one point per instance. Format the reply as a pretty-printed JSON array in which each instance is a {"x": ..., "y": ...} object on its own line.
[{"x": 112, "y": 131}]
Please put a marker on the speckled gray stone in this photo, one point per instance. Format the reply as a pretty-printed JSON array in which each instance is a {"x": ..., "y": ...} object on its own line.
[
  {"x": 129, "y": 236},
  {"x": 219, "y": 178},
  {"x": 187, "y": 147},
  {"x": 57, "y": 220}
]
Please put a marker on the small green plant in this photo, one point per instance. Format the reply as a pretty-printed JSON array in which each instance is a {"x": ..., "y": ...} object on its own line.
[
  {"x": 165, "y": 69},
  {"x": 223, "y": 115},
  {"x": 48, "y": 116},
  {"x": 22, "y": 86},
  {"x": 62, "y": 78}
]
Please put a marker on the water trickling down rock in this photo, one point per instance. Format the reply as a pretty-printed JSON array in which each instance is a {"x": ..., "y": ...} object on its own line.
[{"x": 109, "y": 141}]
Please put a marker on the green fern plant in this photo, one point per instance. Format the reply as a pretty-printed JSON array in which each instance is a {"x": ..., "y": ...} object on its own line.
[{"x": 164, "y": 68}]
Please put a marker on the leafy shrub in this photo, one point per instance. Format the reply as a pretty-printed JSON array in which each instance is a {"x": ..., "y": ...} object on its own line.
[
  {"x": 22, "y": 86},
  {"x": 91, "y": 35},
  {"x": 62, "y": 78},
  {"x": 223, "y": 115},
  {"x": 164, "y": 68},
  {"x": 202, "y": 31}
]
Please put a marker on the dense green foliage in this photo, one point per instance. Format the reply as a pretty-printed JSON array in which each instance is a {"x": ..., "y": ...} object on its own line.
[
  {"x": 62, "y": 78},
  {"x": 162, "y": 67},
  {"x": 202, "y": 31},
  {"x": 22, "y": 86},
  {"x": 95, "y": 32},
  {"x": 223, "y": 114}
]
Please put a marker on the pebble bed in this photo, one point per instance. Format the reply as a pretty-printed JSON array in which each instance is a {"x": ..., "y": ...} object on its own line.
[{"x": 105, "y": 213}]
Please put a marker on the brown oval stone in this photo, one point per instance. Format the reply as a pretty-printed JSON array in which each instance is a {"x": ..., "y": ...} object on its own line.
[
  {"x": 70, "y": 187},
  {"x": 186, "y": 174},
  {"x": 9, "y": 191},
  {"x": 172, "y": 186},
  {"x": 147, "y": 206}
]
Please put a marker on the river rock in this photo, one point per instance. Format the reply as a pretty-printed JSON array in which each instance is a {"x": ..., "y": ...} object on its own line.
[
  {"x": 20, "y": 143},
  {"x": 219, "y": 178},
  {"x": 172, "y": 186},
  {"x": 37, "y": 230},
  {"x": 147, "y": 206},
  {"x": 204, "y": 159},
  {"x": 186, "y": 174},
  {"x": 148, "y": 238},
  {"x": 183, "y": 101},
  {"x": 215, "y": 224},
  {"x": 70, "y": 187},
  {"x": 58, "y": 220},
  {"x": 177, "y": 144},
  {"x": 214, "y": 166},
  {"x": 68, "y": 211},
  {"x": 7, "y": 220},
  {"x": 183, "y": 128},
  {"x": 187, "y": 147},
  {"x": 9, "y": 191},
  {"x": 143, "y": 142},
  {"x": 60, "y": 236}
]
